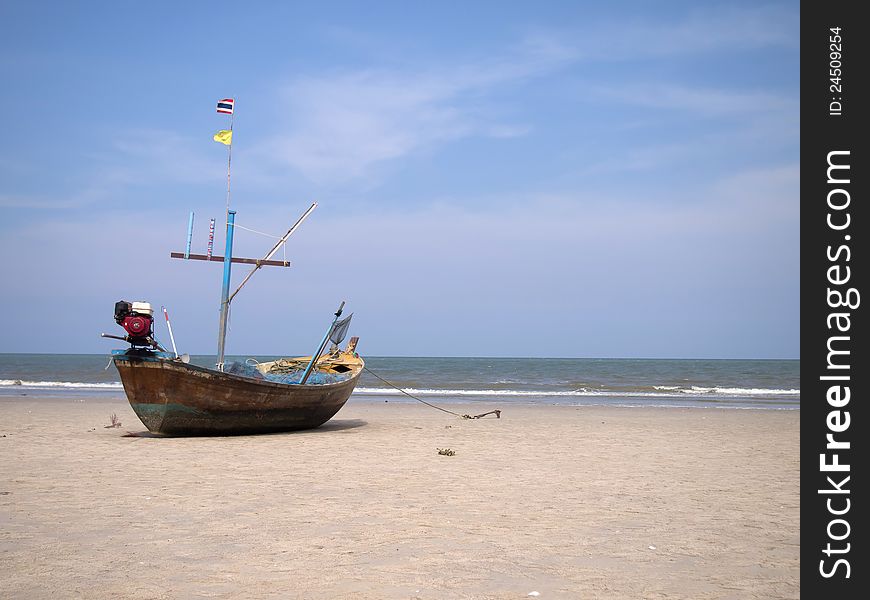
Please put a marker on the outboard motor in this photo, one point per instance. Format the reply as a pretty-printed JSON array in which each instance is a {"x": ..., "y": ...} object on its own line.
[{"x": 137, "y": 319}]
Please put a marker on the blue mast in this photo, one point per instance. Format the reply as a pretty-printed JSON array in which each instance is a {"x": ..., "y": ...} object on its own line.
[{"x": 225, "y": 291}]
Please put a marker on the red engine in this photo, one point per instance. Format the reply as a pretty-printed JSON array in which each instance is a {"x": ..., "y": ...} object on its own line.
[
  {"x": 137, "y": 320},
  {"x": 137, "y": 325}
]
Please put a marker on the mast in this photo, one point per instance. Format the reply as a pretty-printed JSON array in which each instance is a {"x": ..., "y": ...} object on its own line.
[
  {"x": 228, "y": 258},
  {"x": 230, "y": 158},
  {"x": 225, "y": 290},
  {"x": 225, "y": 137},
  {"x": 227, "y": 105}
]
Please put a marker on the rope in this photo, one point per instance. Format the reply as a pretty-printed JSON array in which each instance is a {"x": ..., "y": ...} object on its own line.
[
  {"x": 497, "y": 413},
  {"x": 277, "y": 237}
]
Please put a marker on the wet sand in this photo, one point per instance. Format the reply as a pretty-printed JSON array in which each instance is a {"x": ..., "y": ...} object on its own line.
[{"x": 587, "y": 502}]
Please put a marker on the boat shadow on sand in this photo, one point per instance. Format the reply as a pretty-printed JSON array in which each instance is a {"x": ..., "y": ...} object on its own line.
[{"x": 330, "y": 426}]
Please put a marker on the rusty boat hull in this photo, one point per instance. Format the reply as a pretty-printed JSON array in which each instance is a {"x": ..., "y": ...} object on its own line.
[{"x": 174, "y": 398}]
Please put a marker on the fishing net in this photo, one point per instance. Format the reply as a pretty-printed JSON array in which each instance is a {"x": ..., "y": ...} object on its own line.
[
  {"x": 316, "y": 377},
  {"x": 287, "y": 376},
  {"x": 243, "y": 369}
]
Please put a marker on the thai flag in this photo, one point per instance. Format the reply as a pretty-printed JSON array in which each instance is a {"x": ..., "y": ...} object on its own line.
[{"x": 225, "y": 106}]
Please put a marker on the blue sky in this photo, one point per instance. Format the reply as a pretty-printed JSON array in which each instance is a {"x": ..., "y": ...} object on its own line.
[{"x": 611, "y": 179}]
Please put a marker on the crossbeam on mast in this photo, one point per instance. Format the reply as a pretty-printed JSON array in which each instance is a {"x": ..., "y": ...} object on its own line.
[{"x": 220, "y": 259}]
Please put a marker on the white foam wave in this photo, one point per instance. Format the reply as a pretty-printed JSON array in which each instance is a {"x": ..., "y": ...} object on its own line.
[
  {"x": 436, "y": 392},
  {"x": 60, "y": 384},
  {"x": 666, "y": 392},
  {"x": 725, "y": 391}
]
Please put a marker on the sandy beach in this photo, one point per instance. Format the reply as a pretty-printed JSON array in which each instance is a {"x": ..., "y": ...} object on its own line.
[{"x": 568, "y": 502}]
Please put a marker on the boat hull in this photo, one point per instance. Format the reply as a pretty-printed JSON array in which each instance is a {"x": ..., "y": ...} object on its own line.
[{"x": 175, "y": 398}]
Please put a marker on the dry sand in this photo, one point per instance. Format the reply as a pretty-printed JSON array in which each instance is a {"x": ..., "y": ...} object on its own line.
[{"x": 564, "y": 501}]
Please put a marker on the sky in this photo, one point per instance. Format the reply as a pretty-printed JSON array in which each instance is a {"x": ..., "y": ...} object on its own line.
[{"x": 566, "y": 179}]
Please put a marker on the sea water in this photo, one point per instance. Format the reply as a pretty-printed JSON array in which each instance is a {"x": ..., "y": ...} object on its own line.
[{"x": 770, "y": 384}]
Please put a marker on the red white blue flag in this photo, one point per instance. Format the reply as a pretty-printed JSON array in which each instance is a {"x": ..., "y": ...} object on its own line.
[{"x": 226, "y": 106}]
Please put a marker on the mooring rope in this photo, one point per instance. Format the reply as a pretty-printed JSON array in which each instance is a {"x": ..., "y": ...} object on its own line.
[{"x": 497, "y": 413}]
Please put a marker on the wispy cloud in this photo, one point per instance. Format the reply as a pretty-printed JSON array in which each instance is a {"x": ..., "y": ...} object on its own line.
[
  {"x": 145, "y": 155},
  {"x": 707, "y": 147},
  {"x": 762, "y": 195},
  {"x": 706, "y": 29},
  {"x": 347, "y": 122},
  {"x": 133, "y": 159},
  {"x": 730, "y": 27},
  {"x": 703, "y": 101},
  {"x": 37, "y": 202}
]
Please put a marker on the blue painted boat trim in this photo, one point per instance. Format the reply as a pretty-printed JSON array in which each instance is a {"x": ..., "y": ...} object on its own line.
[{"x": 147, "y": 355}]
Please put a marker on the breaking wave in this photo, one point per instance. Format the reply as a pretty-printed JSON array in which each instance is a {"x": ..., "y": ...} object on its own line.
[
  {"x": 72, "y": 385},
  {"x": 660, "y": 392}
]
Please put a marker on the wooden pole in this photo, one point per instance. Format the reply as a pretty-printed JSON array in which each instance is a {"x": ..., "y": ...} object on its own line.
[{"x": 235, "y": 259}]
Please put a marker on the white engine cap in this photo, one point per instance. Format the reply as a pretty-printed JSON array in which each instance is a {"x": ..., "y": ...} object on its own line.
[{"x": 143, "y": 308}]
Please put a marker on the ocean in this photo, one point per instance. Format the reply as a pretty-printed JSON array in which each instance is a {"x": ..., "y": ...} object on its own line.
[{"x": 745, "y": 384}]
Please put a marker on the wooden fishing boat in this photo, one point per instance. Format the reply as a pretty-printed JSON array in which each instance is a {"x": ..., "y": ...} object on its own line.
[{"x": 173, "y": 397}]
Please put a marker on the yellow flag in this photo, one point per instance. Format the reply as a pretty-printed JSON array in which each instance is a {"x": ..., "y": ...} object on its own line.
[{"x": 224, "y": 136}]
